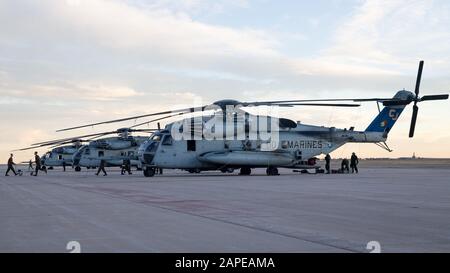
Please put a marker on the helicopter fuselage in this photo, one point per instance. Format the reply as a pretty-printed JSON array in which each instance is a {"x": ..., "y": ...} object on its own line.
[
  {"x": 294, "y": 147},
  {"x": 113, "y": 150}
]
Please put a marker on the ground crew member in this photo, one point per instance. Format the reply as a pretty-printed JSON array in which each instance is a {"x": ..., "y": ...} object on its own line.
[
  {"x": 10, "y": 166},
  {"x": 30, "y": 165},
  {"x": 344, "y": 166},
  {"x": 354, "y": 161},
  {"x": 327, "y": 163},
  {"x": 37, "y": 160},
  {"x": 126, "y": 167},
  {"x": 64, "y": 165},
  {"x": 101, "y": 168}
]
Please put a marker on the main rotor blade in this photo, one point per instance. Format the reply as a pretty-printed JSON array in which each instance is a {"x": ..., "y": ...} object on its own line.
[
  {"x": 434, "y": 97},
  {"x": 153, "y": 120},
  {"x": 185, "y": 110},
  {"x": 33, "y": 147},
  {"x": 396, "y": 102},
  {"x": 256, "y": 103},
  {"x": 318, "y": 104},
  {"x": 142, "y": 130},
  {"x": 413, "y": 121},
  {"x": 419, "y": 77},
  {"x": 244, "y": 104},
  {"x": 72, "y": 138}
]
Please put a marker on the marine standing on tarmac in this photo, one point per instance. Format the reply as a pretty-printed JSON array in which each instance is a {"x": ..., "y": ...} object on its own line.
[
  {"x": 344, "y": 166},
  {"x": 327, "y": 163},
  {"x": 64, "y": 165},
  {"x": 10, "y": 166},
  {"x": 354, "y": 161},
  {"x": 37, "y": 160},
  {"x": 101, "y": 168}
]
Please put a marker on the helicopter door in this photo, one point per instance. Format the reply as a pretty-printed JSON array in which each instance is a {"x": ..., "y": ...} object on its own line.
[
  {"x": 167, "y": 140},
  {"x": 191, "y": 145}
]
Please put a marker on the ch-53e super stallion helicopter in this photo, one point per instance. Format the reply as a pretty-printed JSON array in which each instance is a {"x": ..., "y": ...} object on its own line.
[
  {"x": 114, "y": 150},
  {"x": 60, "y": 154},
  {"x": 232, "y": 138}
]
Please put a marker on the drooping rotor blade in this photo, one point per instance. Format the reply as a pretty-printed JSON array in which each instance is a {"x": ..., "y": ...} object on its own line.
[
  {"x": 419, "y": 77},
  {"x": 413, "y": 120},
  {"x": 318, "y": 104},
  {"x": 434, "y": 97},
  {"x": 69, "y": 142},
  {"x": 32, "y": 147},
  {"x": 142, "y": 130},
  {"x": 258, "y": 103},
  {"x": 185, "y": 110},
  {"x": 72, "y": 138},
  {"x": 153, "y": 120},
  {"x": 96, "y": 135}
]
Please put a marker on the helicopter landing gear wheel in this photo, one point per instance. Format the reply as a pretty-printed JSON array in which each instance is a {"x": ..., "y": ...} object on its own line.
[
  {"x": 272, "y": 171},
  {"x": 149, "y": 172},
  {"x": 78, "y": 169},
  {"x": 245, "y": 171},
  {"x": 227, "y": 170}
]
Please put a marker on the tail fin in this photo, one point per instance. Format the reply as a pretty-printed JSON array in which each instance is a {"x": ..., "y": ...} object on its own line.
[{"x": 386, "y": 119}]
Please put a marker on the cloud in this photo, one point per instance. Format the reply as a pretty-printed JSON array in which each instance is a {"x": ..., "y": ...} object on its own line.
[
  {"x": 394, "y": 34},
  {"x": 63, "y": 91}
]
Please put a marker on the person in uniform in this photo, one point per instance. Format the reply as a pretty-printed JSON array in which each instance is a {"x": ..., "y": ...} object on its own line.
[
  {"x": 344, "y": 166},
  {"x": 354, "y": 161},
  {"x": 126, "y": 167},
  {"x": 37, "y": 161},
  {"x": 327, "y": 163},
  {"x": 11, "y": 165},
  {"x": 101, "y": 168},
  {"x": 30, "y": 165}
]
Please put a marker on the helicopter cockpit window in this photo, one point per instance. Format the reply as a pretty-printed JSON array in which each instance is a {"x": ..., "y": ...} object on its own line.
[
  {"x": 156, "y": 138},
  {"x": 60, "y": 157},
  {"x": 167, "y": 140}
]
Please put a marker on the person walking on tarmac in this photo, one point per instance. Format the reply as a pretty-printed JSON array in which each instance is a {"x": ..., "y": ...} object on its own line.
[
  {"x": 30, "y": 165},
  {"x": 354, "y": 161},
  {"x": 101, "y": 168},
  {"x": 11, "y": 166},
  {"x": 37, "y": 161},
  {"x": 344, "y": 166},
  {"x": 327, "y": 163},
  {"x": 64, "y": 165},
  {"x": 126, "y": 167}
]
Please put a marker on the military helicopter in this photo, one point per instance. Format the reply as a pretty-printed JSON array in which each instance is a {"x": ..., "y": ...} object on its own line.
[
  {"x": 60, "y": 153},
  {"x": 232, "y": 138},
  {"x": 114, "y": 150}
]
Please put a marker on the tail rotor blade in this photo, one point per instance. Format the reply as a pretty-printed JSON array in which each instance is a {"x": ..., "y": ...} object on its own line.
[
  {"x": 413, "y": 121},
  {"x": 419, "y": 77},
  {"x": 434, "y": 97}
]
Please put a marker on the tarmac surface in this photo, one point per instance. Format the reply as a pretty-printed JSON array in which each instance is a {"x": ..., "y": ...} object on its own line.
[{"x": 404, "y": 209}]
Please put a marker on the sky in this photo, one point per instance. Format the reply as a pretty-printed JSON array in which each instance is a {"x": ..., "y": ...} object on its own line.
[{"x": 65, "y": 63}]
